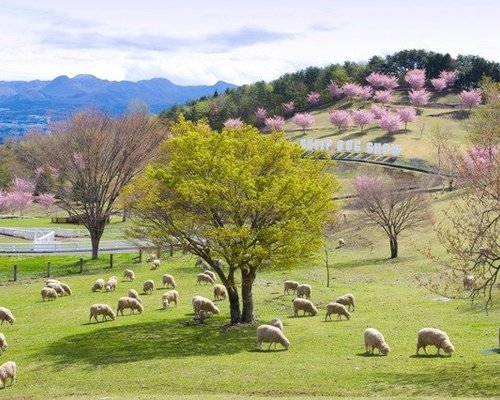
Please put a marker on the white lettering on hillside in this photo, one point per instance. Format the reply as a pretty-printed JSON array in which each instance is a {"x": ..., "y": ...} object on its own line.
[{"x": 353, "y": 146}]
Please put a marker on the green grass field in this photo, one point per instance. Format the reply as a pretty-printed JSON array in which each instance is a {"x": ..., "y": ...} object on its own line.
[{"x": 153, "y": 355}]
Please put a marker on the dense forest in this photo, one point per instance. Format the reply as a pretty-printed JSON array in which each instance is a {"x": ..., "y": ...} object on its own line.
[{"x": 244, "y": 101}]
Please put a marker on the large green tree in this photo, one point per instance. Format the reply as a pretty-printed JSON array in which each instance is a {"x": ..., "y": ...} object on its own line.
[{"x": 250, "y": 199}]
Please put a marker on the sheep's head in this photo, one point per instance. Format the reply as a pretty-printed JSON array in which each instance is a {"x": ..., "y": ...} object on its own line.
[
  {"x": 348, "y": 314},
  {"x": 448, "y": 347},
  {"x": 384, "y": 349},
  {"x": 314, "y": 310},
  {"x": 286, "y": 343}
]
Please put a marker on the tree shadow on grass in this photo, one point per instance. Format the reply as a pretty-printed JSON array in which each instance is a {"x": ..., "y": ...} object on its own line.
[{"x": 145, "y": 341}]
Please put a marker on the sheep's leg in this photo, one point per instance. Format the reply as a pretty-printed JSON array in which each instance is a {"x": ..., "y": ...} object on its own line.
[{"x": 439, "y": 348}]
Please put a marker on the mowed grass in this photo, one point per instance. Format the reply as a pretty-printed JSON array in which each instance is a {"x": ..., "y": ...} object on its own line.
[{"x": 153, "y": 355}]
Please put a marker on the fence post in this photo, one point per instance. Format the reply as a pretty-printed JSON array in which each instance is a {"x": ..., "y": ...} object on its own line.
[
  {"x": 15, "y": 273},
  {"x": 140, "y": 256},
  {"x": 81, "y": 265},
  {"x": 111, "y": 260},
  {"x": 48, "y": 269}
]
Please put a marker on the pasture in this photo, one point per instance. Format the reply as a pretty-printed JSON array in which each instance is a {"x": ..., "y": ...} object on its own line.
[{"x": 153, "y": 355}]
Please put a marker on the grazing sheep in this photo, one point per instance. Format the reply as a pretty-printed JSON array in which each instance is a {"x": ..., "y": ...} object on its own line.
[
  {"x": 148, "y": 286},
  {"x": 6, "y": 315},
  {"x": 155, "y": 264},
  {"x": 290, "y": 285},
  {"x": 304, "y": 305},
  {"x": 347, "y": 300},
  {"x": 341, "y": 242},
  {"x": 101, "y": 309},
  {"x": 468, "y": 281},
  {"x": 8, "y": 370},
  {"x": 129, "y": 274},
  {"x": 336, "y": 308},
  {"x": 202, "y": 304},
  {"x": 48, "y": 293},
  {"x": 434, "y": 337},
  {"x": 169, "y": 297},
  {"x": 211, "y": 274},
  {"x": 98, "y": 285},
  {"x": 129, "y": 302},
  {"x": 204, "y": 278},
  {"x": 271, "y": 334},
  {"x": 3, "y": 343},
  {"x": 57, "y": 287},
  {"x": 201, "y": 263},
  {"x": 51, "y": 281},
  {"x": 277, "y": 323},
  {"x": 220, "y": 292},
  {"x": 168, "y": 280},
  {"x": 133, "y": 294},
  {"x": 304, "y": 291},
  {"x": 111, "y": 284},
  {"x": 152, "y": 257},
  {"x": 66, "y": 288},
  {"x": 375, "y": 340}
]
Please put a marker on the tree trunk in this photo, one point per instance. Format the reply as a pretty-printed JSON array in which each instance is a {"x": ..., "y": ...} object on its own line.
[
  {"x": 234, "y": 305},
  {"x": 394, "y": 247},
  {"x": 247, "y": 279},
  {"x": 96, "y": 232}
]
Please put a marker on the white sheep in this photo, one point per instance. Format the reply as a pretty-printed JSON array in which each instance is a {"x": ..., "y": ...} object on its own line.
[
  {"x": 101, "y": 309},
  {"x": 129, "y": 302},
  {"x": 111, "y": 284},
  {"x": 304, "y": 290},
  {"x": 155, "y": 264},
  {"x": 304, "y": 305},
  {"x": 271, "y": 334},
  {"x": 202, "y": 304},
  {"x": 152, "y": 257},
  {"x": 277, "y": 323},
  {"x": 375, "y": 340},
  {"x": 168, "y": 280},
  {"x": 211, "y": 274},
  {"x": 3, "y": 343},
  {"x": 341, "y": 242},
  {"x": 6, "y": 315},
  {"x": 129, "y": 274},
  {"x": 48, "y": 293},
  {"x": 57, "y": 287},
  {"x": 290, "y": 285},
  {"x": 201, "y": 263},
  {"x": 220, "y": 292},
  {"x": 148, "y": 286},
  {"x": 51, "y": 281},
  {"x": 336, "y": 308},
  {"x": 434, "y": 337},
  {"x": 133, "y": 294},
  {"x": 169, "y": 297},
  {"x": 98, "y": 285},
  {"x": 347, "y": 300},
  {"x": 66, "y": 288},
  {"x": 468, "y": 281},
  {"x": 8, "y": 370},
  {"x": 204, "y": 278}
]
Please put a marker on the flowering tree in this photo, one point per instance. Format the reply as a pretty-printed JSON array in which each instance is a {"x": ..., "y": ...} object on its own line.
[
  {"x": 439, "y": 84},
  {"x": 383, "y": 96},
  {"x": 303, "y": 120},
  {"x": 415, "y": 78},
  {"x": 46, "y": 200},
  {"x": 470, "y": 98},
  {"x": 365, "y": 93},
  {"x": 449, "y": 76},
  {"x": 276, "y": 123},
  {"x": 288, "y": 107},
  {"x": 362, "y": 118},
  {"x": 19, "y": 201},
  {"x": 377, "y": 111},
  {"x": 313, "y": 98},
  {"x": 334, "y": 90},
  {"x": 419, "y": 98},
  {"x": 407, "y": 114},
  {"x": 340, "y": 118},
  {"x": 234, "y": 123},
  {"x": 389, "y": 207},
  {"x": 22, "y": 185},
  {"x": 390, "y": 122},
  {"x": 351, "y": 89},
  {"x": 260, "y": 114},
  {"x": 4, "y": 204},
  {"x": 382, "y": 81}
]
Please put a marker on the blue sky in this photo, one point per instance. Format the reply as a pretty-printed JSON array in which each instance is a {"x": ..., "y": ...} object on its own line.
[{"x": 201, "y": 42}]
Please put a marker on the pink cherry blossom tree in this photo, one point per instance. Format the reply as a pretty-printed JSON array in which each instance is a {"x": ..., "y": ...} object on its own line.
[
  {"x": 449, "y": 76},
  {"x": 19, "y": 201},
  {"x": 334, "y": 90},
  {"x": 407, "y": 114},
  {"x": 439, "y": 84},
  {"x": 390, "y": 122},
  {"x": 233, "y": 123},
  {"x": 303, "y": 120},
  {"x": 419, "y": 98},
  {"x": 415, "y": 78},
  {"x": 4, "y": 204},
  {"x": 22, "y": 185},
  {"x": 313, "y": 98},
  {"x": 260, "y": 114},
  {"x": 288, "y": 107},
  {"x": 362, "y": 118},
  {"x": 276, "y": 123},
  {"x": 46, "y": 200},
  {"x": 351, "y": 89},
  {"x": 377, "y": 111},
  {"x": 383, "y": 96},
  {"x": 470, "y": 98},
  {"x": 340, "y": 119},
  {"x": 365, "y": 93},
  {"x": 382, "y": 81}
]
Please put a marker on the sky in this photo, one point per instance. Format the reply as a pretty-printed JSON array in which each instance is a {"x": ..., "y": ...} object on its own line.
[{"x": 194, "y": 42}]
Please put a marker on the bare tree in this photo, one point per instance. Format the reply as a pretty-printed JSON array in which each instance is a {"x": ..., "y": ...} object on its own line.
[
  {"x": 94, "y": 156},
  {"x": 393, "y": 209}
]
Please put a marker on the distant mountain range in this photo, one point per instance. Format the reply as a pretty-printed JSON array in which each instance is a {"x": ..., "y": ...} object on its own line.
[{"x": 27, "y": 105}]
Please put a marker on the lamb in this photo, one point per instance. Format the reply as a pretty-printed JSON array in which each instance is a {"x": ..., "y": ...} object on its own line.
[
  {"x": 6, "y": 315},
  {"x": 210, "y": 274},
  {"x": 346, "y": 300},
  {"x": 435, "y": 337},
  {"x": 3, "y": 343},
  {"x": 111, "y": 284},
  {"x": 48, "y": 293},
  {"x": 8, "y": 370},
  {"x": 290, "y": 285},
  {"x": 271, "y": 334},
  {"x": 169, "y": 297},
  {"x": 204, "y": 278},
  {"x": 468, "y": 281},
  {"x": 129, "y": 274},
  {"x": 375, "y": 340},
  {"x": 220, "y": 292},
  {"x": 98, "y": 285},
  {"x": 148, "y": 286},
  {"x": 304, "y": 305},
  {"x": 168, "y": 280},
  {"x": 202, "y": 304},
  {"x": 304, "y": 290},
  {"x": 101, "y": 309},
  {"x": 336, "y": 308},
  {"x": 57, "y": 287},
  {"x": 129, "y": 302},
  {"x": 134, "y": 295},
  {"x": 277, "y": 323},
  {"x": 155, "y": 264}
]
